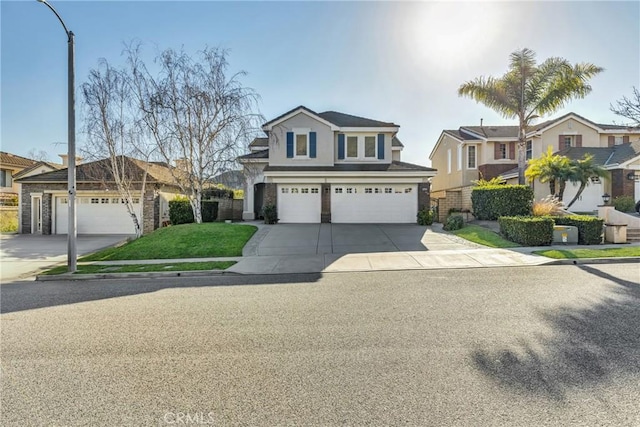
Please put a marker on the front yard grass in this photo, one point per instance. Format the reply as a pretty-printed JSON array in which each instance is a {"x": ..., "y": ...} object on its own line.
[
  {"x": 205, "y": 240},
  {"x": 142, "y": 268},
  {"x": 633, "y": 251},
  {"x": 483, "y": 236}
]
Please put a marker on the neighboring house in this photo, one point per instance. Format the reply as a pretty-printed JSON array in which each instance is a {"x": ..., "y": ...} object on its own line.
[
  {"x": 10, "y": 165},
  {"x": 233, "y": 179},
  {"x": 468, "y": 153},
  {"x": 332, "y": 167},
  {"x": 100, "y": 209}
]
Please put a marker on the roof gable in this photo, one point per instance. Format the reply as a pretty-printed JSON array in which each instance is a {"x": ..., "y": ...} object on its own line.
[
  {"x": 333, "y": 119},
  {"x": 298, "y": 110},
  {"x": 15, "y": 160}
]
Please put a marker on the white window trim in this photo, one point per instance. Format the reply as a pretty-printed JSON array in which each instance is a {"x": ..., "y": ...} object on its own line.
[
  {"x": 301, "y": 131},
  {"x": 475, "y": 155},
  {"x": 449, "y": 160},
  {"x": 361, "y": 153},
  {"x": 346, "y": 147}
]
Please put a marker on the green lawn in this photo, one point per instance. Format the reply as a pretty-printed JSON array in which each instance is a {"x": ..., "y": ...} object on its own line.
[
  {"x": 632, "y": 251},
  {"x": 141, "y": 268},
  {"x": 211, "y": 239},
  {"x": 483, "y": 236}
]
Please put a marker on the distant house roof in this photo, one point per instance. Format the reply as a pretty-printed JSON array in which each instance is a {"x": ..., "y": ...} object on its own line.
[
  {"x": 605, "y": 156},
  {"x": 334, "y": 118},
  {"x": 395, "y": 142},
  {"x": 259, "y": 142},
  {"x": 26, "y": 171},
  {"x": 15, "y": 160},
  {"x": 230, "y": 179},
  {"x": 354, "y": 167},
  {"x": 262, "y": 154},
  {"x": 100, "y": 171}
]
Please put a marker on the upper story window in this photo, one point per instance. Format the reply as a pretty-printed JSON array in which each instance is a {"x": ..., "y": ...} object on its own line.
[
  {"x": 471, "y": 157},
  {"x": 567, "y": 142},
  {"x": 370, "y": 146},
  {"x": 302, "y": 144},
  {"x": 618, "y": 140},
  {"x": 5, "y": 178},
  {"x": 502, "y": 151},
  {"x": 529, "y": 152},
  {"x": 352, "y": 146}
]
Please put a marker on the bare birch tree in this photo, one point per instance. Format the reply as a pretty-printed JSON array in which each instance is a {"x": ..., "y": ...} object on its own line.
[
  {"x": 112, "y": 127},
  {"x": 197, "y": 115}
]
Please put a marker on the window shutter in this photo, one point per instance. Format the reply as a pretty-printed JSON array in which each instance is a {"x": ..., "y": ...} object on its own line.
[
  {"x": 512, "y": 150},
  {"x": 289, "y": 145},
  {"x": 611, "y": 140},
  {"x": 380, "y": 146},
  {"x": 625, "y": 139},
  {"x": 578, "y": 140},
  {"x": 560, "y": 142},
  {"x": 312, "y": 145},
  {"x": 496, "y": 150},
  {"x": 341, "y": 146}
]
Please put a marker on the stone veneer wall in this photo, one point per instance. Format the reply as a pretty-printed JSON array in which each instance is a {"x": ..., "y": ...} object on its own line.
[
  {"x": 424, "y": 195},
  {"x": 452, "y": 200},
  {"x": 325, "y": 202},
  {"x": 270, "y": 195}
]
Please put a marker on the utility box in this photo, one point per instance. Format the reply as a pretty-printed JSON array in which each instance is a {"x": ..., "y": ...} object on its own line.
[
  {"x": 565, "y": 234},
  {"x": 615, "y": 233}
]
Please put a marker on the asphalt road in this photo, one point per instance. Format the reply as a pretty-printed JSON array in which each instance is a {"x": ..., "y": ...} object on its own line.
[{"x": 529, "y": 346}]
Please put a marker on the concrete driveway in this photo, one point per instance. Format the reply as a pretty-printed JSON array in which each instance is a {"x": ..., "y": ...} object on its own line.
[
  {"x": 22, "y": 255},
  {"x": 310, "y": 239}
]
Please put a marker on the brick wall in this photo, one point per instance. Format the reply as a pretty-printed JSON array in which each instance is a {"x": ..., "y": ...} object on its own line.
[
  {"x": 270, "y": 194},
  {"x": 452, "y": 200},
  {"x": 424, "y": 195}
]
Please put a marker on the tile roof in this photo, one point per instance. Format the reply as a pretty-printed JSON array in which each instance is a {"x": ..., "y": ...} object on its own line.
[
  {"x": 394, "y": 166},
  {"x": 100, "y": 170},
  {"x": 15, "y": 160}
]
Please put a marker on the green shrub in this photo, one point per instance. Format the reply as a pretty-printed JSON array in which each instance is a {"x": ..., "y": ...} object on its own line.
[
  {"x": 180, "y": 212},
  {"x": 219, "y": 192},
  {"x": 8, "y": 221},
  {"x": 624, "y": 203},
  {"x": 527, "y": 231},
  {"x": 209, "y": 211},
  {"x": 589, "y": 227},
  {"x": 454, "y": 222},
  {"x": 492, "y": 202},
  {"x": 270, "y": 214},
  {"x": 425, "y": 216}
]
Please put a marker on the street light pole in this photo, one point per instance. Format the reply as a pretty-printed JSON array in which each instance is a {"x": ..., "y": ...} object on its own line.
[{"x": 71, "y": 155}]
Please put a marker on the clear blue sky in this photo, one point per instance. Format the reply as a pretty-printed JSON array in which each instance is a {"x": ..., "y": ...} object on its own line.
[{"x": 392, "y": 61}]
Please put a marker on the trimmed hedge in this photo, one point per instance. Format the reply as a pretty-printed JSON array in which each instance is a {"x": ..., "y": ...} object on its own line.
[
  {"x": 454, "y": 222},
  {"x": 527, "y": 231},
  {"x": 589, "y": 227},
  {"x": 494, "y": 201},
  {"x": 180, "y": 211}
]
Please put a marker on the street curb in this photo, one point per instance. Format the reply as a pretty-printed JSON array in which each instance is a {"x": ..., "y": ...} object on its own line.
[
  {"x": 577, "y": 261},
  {"x": 148, "y": 275}
]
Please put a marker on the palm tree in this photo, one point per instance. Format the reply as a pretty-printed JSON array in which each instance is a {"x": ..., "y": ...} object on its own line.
[
  {"x": 551, "y": 168},
  {"x": 528, "y": 91},
  {"x": 583, "y": 170}
]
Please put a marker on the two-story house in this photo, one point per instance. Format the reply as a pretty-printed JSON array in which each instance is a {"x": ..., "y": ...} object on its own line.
[
  {"x": 469, "y": 153},
  {"x": 332, "y": 167}
]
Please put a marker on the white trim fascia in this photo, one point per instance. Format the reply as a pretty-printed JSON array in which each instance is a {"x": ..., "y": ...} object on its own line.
[
  {"x": 503, "y": 139},
  {"x": 253, "y": 160},
  {"x": 296, "y": 112},
  {"x": 369, "y": 129},
  {"x": 397, "y": 148},
  {"x": 472, "y": 142},
  {"x": 570, "y": 116},
  {"x": 379, "y": 174},
  {"x": 346, "y": 180},
  {"x": 630, "y": 131},
  {"x": 626, "y": 163}
]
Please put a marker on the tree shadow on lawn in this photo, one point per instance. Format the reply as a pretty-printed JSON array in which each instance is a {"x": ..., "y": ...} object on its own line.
[{"x": 588, "y": 346}]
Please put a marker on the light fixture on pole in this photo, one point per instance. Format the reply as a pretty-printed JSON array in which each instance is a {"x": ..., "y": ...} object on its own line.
[
  {"x": 605, "y": 198},
  {"x": 71, "y": 160}
]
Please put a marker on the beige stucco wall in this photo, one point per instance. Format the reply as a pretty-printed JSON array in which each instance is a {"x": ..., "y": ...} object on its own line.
[
  {"x": 278, "y": 142},
  {"x": 590, "y": 136},
  {"x": 458, "y": 177}
]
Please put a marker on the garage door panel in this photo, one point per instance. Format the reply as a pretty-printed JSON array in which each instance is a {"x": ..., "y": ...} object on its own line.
[
  {"x": 378, "y": 203},
  {"x": 299, "y": 203},
  {"x": 96, "y": 215}
]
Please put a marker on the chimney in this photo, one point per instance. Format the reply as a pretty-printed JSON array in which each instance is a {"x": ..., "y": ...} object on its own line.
[
  {"x": 481, "y": 119},
  {"x": 65, "y": 159}
]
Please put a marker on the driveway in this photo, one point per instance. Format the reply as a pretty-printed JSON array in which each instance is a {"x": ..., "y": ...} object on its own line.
[
  {"x": 311, "y": 239},
  {"x": 22, "y": 255}
]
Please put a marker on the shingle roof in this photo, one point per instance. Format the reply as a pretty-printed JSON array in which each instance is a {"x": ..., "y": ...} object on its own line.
[
  {"x": 347, "y": 120},
  {"x": 15, "y": 160},
  {"x": 259, "y": 142},
  {"x": 262, "y": 154},
  {"x": 25, "y": 171},
  {"x": 395, "y": 142},
  {"x": 338, "y": 119},
  {"x": 100, "y": 170},
  {"x": 605, "y": 156},
  {"x": 394, "y": 166},
  {"x": 493, "y": 131},
  {"x": 457, "y": 133}
]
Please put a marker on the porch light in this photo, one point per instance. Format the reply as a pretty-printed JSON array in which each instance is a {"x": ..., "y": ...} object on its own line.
[{"x": 605, "y": 198}]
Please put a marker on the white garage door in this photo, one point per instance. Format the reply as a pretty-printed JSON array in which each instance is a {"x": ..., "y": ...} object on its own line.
[
  {"x": 96, "y": 215},
  {"x": 299, "y": 203},
  {"x": 590, "y": 198},
  {"x": 379, "y": 203}
]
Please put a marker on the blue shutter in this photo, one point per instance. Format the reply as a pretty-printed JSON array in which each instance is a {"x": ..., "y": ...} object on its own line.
[
  {"x": 341, "y": 146},
  {"x": 289, "y": 145},
  {"x": 380, "y": 146},
  {"x": 312, "y": 145}
]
